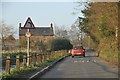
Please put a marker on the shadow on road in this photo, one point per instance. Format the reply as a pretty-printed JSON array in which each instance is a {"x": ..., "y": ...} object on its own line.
[{"x": 105, "y": 68}]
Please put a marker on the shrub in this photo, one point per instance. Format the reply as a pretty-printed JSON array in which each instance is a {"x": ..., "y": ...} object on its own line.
[{"x": 60, "y": 44}]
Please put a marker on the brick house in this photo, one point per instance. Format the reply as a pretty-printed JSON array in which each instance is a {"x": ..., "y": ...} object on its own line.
[{"x": 44, "y": 34}]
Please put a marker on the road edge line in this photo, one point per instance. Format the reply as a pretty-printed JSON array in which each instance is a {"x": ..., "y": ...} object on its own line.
[{"x": 44, "y": 70}]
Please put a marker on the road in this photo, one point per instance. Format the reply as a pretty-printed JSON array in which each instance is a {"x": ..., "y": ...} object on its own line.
[{"x": 80, "y": 67}]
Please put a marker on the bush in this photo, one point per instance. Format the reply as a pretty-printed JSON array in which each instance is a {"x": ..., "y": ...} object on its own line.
[
  {"x": 60, "y": 44},
  {"x": 41, "y": 45}
]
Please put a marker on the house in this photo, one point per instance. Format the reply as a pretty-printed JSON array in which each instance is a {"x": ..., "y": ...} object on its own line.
[
  {"x": 44, "y": 34},
  {"x": 9, "y": 43}
]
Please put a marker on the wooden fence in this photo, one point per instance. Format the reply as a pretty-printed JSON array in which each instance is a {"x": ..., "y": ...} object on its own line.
[{"x": 35, "y": 58}]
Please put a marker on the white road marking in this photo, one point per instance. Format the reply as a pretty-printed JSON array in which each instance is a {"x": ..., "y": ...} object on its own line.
[
  {"x": 87, "y": 60},
  {"x": 83, "y": 61}
]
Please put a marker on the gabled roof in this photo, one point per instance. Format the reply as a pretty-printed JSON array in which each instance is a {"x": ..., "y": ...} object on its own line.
[
  {"x": 38, "y": 31},
  {"x": 35, "y": 31},
  {"x": 10, "y": 38},
  {"x": 29, "y": 24}
]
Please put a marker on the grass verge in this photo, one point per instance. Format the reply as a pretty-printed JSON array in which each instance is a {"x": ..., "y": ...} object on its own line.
[{"x": 26, "y": 72}]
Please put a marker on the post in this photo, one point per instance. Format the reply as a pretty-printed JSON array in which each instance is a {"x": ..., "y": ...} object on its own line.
[
  {"x": 34, "y": 59},
  {"x": 8, "y": 64},
  {"x": 41, "y": 58},
  {"x": 24, "y": 60},
  {"x": 28, "y": 47},
  {"x": 17, "y": 62},
  {"x": 48, "y": 55},
  {"x": 52, "y": 54},
  {"x": 45, "y": 56},
  {"x": 30, "y": 59},
  {"x": 37, "y": 58}
]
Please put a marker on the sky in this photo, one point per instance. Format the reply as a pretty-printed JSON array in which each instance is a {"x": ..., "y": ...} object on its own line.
[
  {"x": 43, "y": 0},
  {"x": 41, "y": 13}
]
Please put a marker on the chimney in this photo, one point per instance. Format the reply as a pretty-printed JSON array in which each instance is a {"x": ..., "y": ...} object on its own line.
[
  {"x": 51, "y": 25},
  {"x": 20, "y": 25}
]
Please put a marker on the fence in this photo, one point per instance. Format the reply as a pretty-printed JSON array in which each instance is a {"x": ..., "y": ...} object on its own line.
[{"x": 35, "y": 58}]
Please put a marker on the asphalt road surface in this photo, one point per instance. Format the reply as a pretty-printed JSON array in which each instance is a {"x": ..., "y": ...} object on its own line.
[{"x": 80, "y": 67}]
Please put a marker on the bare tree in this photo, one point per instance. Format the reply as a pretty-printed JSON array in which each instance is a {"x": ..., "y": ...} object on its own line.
[
  {"x": 61, "y": 31},
  {"x": 74, "y": 33},
  {"x": 5, "y": 31}
]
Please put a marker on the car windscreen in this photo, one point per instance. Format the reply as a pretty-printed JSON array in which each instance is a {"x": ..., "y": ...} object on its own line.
[{"x": 78, "y": 47}]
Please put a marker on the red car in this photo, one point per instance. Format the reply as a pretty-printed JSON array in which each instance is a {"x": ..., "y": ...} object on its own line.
[{"x": 78, "y": 50}]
